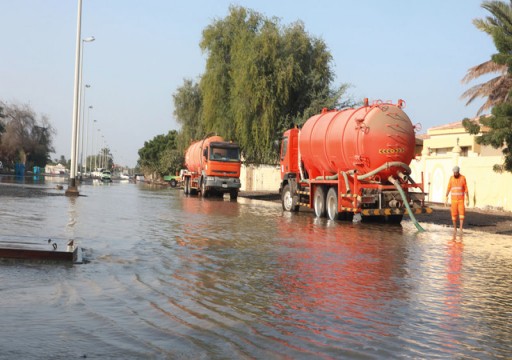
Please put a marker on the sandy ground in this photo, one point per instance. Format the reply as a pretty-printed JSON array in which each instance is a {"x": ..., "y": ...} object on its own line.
[{"x": 490, "y": 221}]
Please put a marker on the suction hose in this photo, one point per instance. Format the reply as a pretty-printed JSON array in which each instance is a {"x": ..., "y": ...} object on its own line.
[{"x": 404, "y": 198}]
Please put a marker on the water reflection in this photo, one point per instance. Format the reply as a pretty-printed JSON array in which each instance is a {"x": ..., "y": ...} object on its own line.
[
  {"x": 173, "y": 276},
  {"x": 338, "y": 281}
]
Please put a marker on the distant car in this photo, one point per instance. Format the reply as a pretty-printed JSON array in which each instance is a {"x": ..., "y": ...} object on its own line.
[
  {"x": 1, "y": 166},
  {"x": 106, "y": 176},
  {"x": 174, "y": 180}
]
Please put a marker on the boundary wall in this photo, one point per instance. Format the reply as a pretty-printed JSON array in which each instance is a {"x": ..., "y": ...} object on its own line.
[
  {"x": 260, "y": 178},
  {"x": 487, "y": 189}
]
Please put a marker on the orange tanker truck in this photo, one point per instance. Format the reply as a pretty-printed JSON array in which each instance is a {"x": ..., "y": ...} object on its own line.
[
  {"x": 213, "y": 167},
  {"x": 352, "y": 164}
]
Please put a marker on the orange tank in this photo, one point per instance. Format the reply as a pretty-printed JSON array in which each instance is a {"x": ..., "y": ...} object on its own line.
[
  {"x": 362, "y": 139},
  {"x": 194, "y": 160}
]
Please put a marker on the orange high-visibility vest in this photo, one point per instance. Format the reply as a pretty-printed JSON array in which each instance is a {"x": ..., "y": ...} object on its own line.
[{"x": 458, "y": 187}]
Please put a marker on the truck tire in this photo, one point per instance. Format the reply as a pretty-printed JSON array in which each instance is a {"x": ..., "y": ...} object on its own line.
[
  {"x": 204, "y": 192},
  {"x": 186, "y": 188},
  {"x": 287, "y": 200},
  {"x": 174, "y": 183},
  {"x": 332, "y": 204},
  {"x": 233, "y": 195},
  {"x": 319, "y": 201}
]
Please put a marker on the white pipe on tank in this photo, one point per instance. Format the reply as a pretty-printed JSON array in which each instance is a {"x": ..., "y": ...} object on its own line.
[{"x": 384, "y": 166}]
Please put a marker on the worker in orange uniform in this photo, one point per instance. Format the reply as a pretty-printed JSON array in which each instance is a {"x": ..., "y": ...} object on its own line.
[{"x": 458, "y": 187}]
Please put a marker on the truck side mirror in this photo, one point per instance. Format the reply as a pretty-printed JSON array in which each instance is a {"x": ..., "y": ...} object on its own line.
[{"x": 205, "y": 152}]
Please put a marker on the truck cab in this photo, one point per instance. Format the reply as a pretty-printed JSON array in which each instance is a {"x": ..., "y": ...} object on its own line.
[
  {"x": 288, "y": 157},
  {"x": 222, "y": 168},
  {"x": 213, "y": 167}
]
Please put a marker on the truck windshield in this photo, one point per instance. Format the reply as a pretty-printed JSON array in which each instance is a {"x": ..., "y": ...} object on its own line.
[{"x": 231, "y": 154}]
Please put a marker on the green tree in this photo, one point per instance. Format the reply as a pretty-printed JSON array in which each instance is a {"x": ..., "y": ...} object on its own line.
[
  {"x": 260, "y": 78},
  {"x": 24, "y": 137},
  {"x": 62, "y": 160},
  {"x": 499, "y": 27},
  {"x": 498, "y": 132},
  {"x": 495, "y": 90},
  {"x": 187, "y": 112},
  {"x": 497, "y": 128},
  {"x": 104, "y": 159},
  {"x": 157, "y": 156},
  {"x": 171, "y": 161},
  {"x": 2, "y": 126}
]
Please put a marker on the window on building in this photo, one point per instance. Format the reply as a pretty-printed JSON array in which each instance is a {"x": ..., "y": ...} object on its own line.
[{"x": 442, "y": 151}]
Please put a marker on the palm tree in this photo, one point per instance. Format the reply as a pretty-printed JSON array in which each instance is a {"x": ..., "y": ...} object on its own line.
[
  {"x": 495, "y": 90},
  {"x": 499, "y": 27}
]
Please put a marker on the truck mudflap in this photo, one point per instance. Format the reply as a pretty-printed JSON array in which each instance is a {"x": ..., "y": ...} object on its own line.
[{"x": 384, "y": 212}]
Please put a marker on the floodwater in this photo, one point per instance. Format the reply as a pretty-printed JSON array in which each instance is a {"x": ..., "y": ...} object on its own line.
[{"x": 176, "y": 277}]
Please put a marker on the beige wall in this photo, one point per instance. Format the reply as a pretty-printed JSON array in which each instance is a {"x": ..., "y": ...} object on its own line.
[
  {"x": 487, "y": 189},
  {"x": 260, "y": 178}
]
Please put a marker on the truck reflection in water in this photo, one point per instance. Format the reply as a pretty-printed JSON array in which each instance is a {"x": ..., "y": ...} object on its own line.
[
  {"x": 212, "y": 213},
  {"x": 338, "y": 275}
]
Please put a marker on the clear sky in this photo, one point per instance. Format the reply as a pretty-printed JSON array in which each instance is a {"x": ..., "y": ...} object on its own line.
[{"x": 409, "y": 49}]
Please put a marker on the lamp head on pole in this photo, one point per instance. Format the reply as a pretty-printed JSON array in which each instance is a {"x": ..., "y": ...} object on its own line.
[{"x": 89, "y": 39}]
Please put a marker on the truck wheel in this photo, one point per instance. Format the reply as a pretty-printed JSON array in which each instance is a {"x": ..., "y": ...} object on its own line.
[
  {"x": 186, "y": 188},
  {"x": 204, "y": 193},
  {"x": 233, "y": 195},
  {"x": 332, "y": 204},
  {"x": 174, "y": 183},
  {"x": 287, "y": 200},
  {"x": 319, "y": 202}
]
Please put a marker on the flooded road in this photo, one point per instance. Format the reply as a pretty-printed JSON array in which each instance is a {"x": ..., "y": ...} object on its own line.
[{"x": 173, "y": 277}]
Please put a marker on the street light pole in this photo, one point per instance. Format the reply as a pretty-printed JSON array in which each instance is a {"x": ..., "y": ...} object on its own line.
[
  {"x": 87, "y": 137},
  {"x": 92, "y": 147},
  {"x": 96, "y": 156},
  {"x": 72, "y": 189},
  {"x": 80, "y": 142},
  {"x": 102, "y": 163},
  {"x": 81, "y": 121},
  {"x": 82, "y": 147}
]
